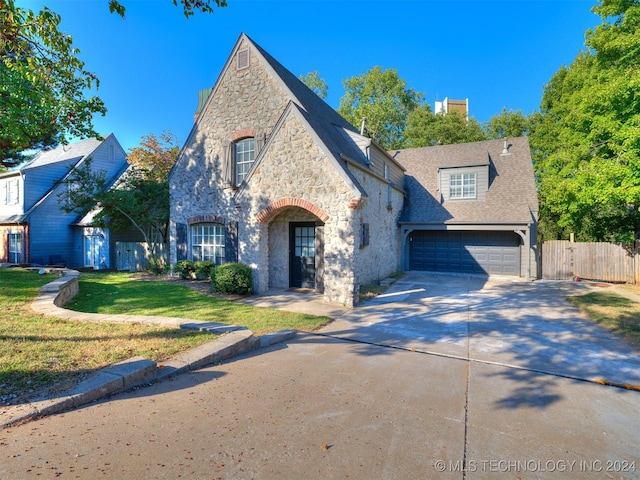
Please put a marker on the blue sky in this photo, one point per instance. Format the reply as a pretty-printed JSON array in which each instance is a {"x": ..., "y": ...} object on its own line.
[{"x": 152, "y": 64}]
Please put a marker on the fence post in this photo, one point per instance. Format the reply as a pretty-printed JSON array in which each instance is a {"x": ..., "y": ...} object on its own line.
[{"x": 636, "y": 261}]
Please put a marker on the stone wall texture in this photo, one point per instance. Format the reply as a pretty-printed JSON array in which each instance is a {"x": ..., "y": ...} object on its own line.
[
  {"x": 295, "y": 180},
  {"x": 294, "y": 166}
]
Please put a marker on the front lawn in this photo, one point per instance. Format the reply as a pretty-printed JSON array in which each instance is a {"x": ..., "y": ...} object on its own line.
[
  {"x": 121, "y": 293},
  {"x": 612, "y": 311},
  {"x": 39, "y": 354}
]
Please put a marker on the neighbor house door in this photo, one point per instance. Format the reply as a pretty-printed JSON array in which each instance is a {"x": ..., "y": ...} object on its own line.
[
  {"x": 95, "y": 254},
  {"x": 302, "y": 255}
]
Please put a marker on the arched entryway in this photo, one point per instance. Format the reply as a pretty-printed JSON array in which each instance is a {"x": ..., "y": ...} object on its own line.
[{"x": 295, "y": 244}]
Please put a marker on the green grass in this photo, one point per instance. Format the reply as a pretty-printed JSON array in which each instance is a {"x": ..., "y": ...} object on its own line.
[
  {"x": 614, "y": 312},
  {"x": 39, "y": 353},
  {"x": 119, "y": 293},
  {"x": 372, "y": 290}
]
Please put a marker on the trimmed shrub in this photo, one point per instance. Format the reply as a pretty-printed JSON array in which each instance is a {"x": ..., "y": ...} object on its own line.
[
  {"x": 233, "y": 278},
  {"x": 203, "y": 269},
  {"x": 157, "y": 266},
  {"x": 185, "y": 269}
]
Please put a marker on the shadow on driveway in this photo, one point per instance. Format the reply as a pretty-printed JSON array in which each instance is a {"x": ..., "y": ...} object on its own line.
[{"x": 530, "y": 328}]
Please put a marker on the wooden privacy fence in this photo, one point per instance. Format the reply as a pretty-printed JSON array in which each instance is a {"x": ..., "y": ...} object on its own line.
[
  {"x": 608, "y": 262},
  {"x": 134, "y": 256}
]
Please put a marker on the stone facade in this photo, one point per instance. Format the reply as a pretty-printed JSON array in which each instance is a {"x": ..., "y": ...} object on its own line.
[
  {"x": 380, "y": 210},
  {"x": 321, "y": 205},
  {"x": 295, "y": 178},
  {"x": 243, "y": 102},
  {"x": 294, "y": 167}
]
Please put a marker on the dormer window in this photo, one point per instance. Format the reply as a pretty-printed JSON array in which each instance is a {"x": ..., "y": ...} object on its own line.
[
  {"x": 245, "y": 155},
  {"x": 462, "y": 185}
]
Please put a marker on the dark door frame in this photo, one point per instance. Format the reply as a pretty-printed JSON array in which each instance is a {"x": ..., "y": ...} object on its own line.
[{"x": 302, "y": 268}]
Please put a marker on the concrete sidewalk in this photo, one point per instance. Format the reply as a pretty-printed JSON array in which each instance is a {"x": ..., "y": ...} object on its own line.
[
  {"x": 319, "y": 407},
  {"x": 135, "y": 371}
]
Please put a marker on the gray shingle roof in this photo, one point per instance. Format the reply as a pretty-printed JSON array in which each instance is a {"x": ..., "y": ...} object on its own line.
[
  {"x": 61, "y": 153},
  {"x": 511, "y": 197},
  {"x": 320, "y": 116}
]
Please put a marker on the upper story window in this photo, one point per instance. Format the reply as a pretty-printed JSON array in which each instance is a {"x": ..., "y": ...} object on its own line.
[
  {"x": 245, "y": 154},
  {"x": 462, "y": 185},
  {"x": 11, "y": 196}
]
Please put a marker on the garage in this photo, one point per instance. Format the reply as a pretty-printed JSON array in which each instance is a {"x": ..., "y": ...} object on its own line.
[{"x": 494, "y": 253}]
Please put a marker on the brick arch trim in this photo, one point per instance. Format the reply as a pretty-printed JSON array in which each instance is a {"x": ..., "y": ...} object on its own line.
[
  {"x": 206, "y": 219},
  {"x": 266, "y": 214},
  {"x": 246, "y": 133}
]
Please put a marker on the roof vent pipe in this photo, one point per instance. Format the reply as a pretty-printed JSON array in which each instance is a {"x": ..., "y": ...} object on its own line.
[
  {"x": 505, "y": 149},
  {"x": 363, "y": 126}
]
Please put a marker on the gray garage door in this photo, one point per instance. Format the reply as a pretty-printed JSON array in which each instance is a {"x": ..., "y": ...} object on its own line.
[{"x": 496, "y": 253}]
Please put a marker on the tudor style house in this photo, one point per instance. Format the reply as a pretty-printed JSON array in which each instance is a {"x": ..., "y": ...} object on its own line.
[
  {"x": 273, "y": 177},
  {"x": 33, "y": 227}
]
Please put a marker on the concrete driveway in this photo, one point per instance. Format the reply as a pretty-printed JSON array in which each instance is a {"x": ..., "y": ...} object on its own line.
[
  {"x": 440, "y": 378},
  {"x": 523, "y": 325}
]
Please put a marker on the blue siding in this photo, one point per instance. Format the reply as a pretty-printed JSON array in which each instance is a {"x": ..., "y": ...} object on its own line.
[{"x": 50, "y": 229}]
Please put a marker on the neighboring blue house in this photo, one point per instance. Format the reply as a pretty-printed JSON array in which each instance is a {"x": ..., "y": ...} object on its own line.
[{"x": 33, "y": 227}]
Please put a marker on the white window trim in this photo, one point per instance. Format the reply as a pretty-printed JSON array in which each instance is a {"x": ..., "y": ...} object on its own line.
[
  {"x": 467, "y": 180},
  {"x": 248, "y": 163},
  {"x": 217, "y": 245},
  {"x": 13, "y": 252},
  {"x": 12, "y": 192}
]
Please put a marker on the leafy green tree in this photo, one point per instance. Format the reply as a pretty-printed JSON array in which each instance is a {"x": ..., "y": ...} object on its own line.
[
  {"x": 586, "y": 142},
  {"x": 134, "y": 202},
  {"x": 425, "y": 128},
  {"x": 18, "y": 131},
  {"x": 43, "y": 84},
  {"x": 507, "y": 124},
  {"x": 315, "y": 83},
  {"x": 189, "y": 7},
  {"x": 383, "y": 99},
  {"x": 139, "y": 199},
  {"x": 155, "y": 156}
]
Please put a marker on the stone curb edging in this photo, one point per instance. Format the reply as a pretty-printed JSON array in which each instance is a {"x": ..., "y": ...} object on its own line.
[{"x": 135, "y": 371}]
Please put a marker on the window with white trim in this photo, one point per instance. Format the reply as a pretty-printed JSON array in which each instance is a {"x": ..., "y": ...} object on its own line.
[
  {"x": 462, "y": 185},
  {"x": 15, "y": 247},
  {"x": 245, "y": 155},
  {"x": 11, "y": 196},
  {"x": 207, "y": 242}
]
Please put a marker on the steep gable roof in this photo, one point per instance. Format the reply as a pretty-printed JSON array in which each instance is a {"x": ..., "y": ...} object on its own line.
[
  {"x": 326, "y": 124},
  {"x": 73, "y": 151},
  {"x": 60, "y": 161},
  {"x": 304, "y": 118},
  {"x": 511, "y": 197}
]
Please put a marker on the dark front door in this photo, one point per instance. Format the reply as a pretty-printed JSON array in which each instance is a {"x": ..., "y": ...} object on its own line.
[{"x": 302, "y": 255}]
